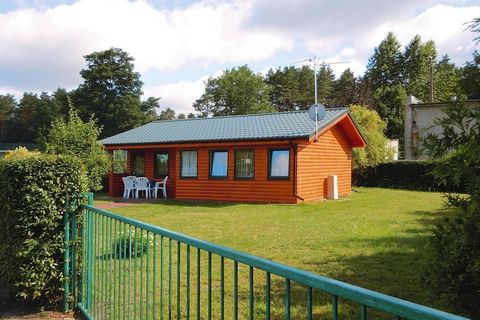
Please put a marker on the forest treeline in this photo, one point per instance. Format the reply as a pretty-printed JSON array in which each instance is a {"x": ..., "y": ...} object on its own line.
[{"x": 111, "y": 90}]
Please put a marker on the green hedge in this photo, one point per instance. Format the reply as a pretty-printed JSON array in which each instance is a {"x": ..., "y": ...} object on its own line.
[
  {"x": 33, "y": 193},
  {"x": 411, "y": 175}
]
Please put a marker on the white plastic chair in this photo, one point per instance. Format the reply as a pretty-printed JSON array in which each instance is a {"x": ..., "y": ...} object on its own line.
[
  {"x": 142, "y": 184},
  {"x": 160, "y": 185},
  {"x": 129, "y": 186}
]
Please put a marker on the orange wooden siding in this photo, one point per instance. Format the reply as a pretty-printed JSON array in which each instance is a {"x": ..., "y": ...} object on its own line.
[
  {"x": 259, "y": 189},
  {"x": 330, "y": 155}
]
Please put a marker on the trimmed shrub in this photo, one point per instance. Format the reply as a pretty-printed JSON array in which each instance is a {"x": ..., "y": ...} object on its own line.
[
  {"x": 411, "y": 175},
  {"x": 34, "y": 189},
  {"x": 133, "y": 246}
]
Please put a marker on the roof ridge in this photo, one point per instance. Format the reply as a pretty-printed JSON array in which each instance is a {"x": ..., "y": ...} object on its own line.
[
  {"x": 245, "y": 115},
  {"x": 236, "y": 115}
]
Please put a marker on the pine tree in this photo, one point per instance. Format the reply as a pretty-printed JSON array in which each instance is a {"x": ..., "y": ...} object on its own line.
[
  {"x": 384, "y": 77},
  {"x": 446, "y": 81},
  {"x": 344, "y": 89},
  {"x": 325, "y": 83},
  {"x": 418, "y": 62},
  {"x": 384, "y": 67}
]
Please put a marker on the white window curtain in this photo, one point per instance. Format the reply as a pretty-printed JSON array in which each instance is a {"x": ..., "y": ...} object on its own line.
[
  {"x": 189, "y": 163},
  {"x": 244, "y": 163}
]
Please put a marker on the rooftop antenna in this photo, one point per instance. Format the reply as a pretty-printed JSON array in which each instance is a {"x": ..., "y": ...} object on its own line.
[{"x": 316, "y": 62}]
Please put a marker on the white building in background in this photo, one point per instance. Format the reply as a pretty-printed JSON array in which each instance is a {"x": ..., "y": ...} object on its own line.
[{"x": 419, "y": 120}]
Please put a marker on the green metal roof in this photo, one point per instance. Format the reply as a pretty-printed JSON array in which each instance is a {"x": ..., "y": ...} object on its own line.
[{"x": 263, "y": 126}]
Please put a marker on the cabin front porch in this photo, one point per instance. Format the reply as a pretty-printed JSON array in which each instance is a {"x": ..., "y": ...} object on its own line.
[{"x": 153, "y": 164}]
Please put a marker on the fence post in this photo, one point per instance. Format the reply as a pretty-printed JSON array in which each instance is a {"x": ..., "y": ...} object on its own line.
[
  {"x": 66, "y": 255},
  {"x": 89, "y": 198},
  {"x": 89, "y": 251},
  {"x": 80, "y": 284},
  {"x": 73, "y": 271}
]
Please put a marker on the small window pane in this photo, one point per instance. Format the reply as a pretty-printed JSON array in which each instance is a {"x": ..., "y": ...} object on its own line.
[
  {"x": 279, "y": 163},
  {"x": 119, "y": 161},
  {"x": 189, "y": 164},
  {"x": 219, "y": 164},
  {"x": 138, "y": 165},
  {"x": 161, "y": 164},
  {"x": 244, "y": 163}
]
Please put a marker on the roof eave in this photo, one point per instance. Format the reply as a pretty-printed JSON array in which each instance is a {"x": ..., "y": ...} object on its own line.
[{"x": 208, "y": 141}]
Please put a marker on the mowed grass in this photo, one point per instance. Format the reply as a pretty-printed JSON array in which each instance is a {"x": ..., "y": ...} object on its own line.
[{"x": 375, "y": 238}]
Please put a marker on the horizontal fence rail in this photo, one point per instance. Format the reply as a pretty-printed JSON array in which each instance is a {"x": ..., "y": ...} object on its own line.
[{"x": 134, "y": 270}]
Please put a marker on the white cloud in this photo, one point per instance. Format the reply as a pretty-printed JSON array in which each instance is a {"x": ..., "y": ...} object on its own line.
[
  {"x": 13, "y": 91},
  {"x": 443, "y": 24},
  {"x": 53, "y": 41},
  {"x": 178, "y": 96}
]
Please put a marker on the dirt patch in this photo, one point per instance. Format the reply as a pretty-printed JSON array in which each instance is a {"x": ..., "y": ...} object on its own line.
[
  {"x": 112, "y": 205},
  {"x": 24, "y": 312}
]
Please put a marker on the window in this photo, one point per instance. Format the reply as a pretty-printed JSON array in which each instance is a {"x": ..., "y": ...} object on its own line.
[
  {"x": 119, "y": 161},
  {"x": 138, "y": 164},
  {"x": 219, "y": 164},
  {"x": 188, "y": 164},
  {"x": 244, "y": 164},
  {"x": 279, "y": 165},
  {"x": 161, "y": 164}
]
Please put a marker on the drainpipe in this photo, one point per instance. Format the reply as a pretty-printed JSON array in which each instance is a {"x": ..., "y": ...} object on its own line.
[{"x": 294, "y": 187}]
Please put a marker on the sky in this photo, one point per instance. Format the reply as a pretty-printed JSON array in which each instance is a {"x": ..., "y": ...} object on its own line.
[{"x": 177, "y": 45}]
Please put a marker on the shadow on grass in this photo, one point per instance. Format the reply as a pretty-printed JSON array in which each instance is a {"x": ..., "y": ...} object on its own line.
[
  {"x": 395, "y": 268},
  {"x": 171, "y": 202}
]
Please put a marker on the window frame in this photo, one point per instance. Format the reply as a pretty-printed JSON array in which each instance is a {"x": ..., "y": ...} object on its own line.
[
  {"x": 269, "y": 173},
  {"x": 181, "y": 165},
  {"x": 155, "y": 173},
  {"x": 210, "y": 164},
  {"x": 235, "y": 164}
]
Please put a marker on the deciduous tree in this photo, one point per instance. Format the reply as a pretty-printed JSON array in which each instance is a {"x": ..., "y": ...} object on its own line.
[
  {"x": 373, "y": 128},
  {"x": 75, "y": 137},
  {"x": 236, "y": 91},
  {"x": 111, "y": 90}
]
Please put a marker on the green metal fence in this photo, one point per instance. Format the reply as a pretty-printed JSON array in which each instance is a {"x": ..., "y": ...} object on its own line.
[{"x": 132, "y": 270}]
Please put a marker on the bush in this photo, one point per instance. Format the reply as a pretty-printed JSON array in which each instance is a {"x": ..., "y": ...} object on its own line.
[
  {"x": 454, "y": 266},
  {"x": 33, "y": 193},
  {"x": 21, "y": 152},
  {"x": 77, "y": 138},
  {"x": 373, "y": 129},
  {"x": 411, "y": 175},
  {"x": 131, "y": 245}
]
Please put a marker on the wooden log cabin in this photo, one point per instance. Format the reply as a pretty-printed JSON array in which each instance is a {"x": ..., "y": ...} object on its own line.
[{"x": 282, "y": 157}]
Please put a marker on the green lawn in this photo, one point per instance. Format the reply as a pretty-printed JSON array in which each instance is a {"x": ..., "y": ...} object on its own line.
[{"x": 375, "y": 238}]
